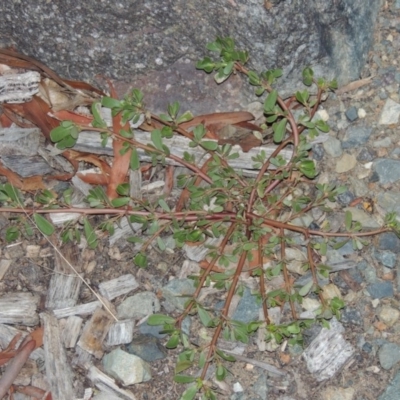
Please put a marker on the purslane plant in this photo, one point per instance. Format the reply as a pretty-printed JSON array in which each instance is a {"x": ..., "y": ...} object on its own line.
[{"x": 254, "y": 219}]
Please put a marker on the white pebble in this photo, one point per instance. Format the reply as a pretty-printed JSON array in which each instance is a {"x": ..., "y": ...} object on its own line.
[
  {"x": 237, "y": 387},
  {"x": 361, "y": 113}
]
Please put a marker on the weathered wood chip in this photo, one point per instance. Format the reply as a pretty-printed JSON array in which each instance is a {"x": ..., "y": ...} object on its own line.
[
  {"x": 328, "y": 352},
  {"x": 58, "y": 372},
  {"x": 19, "y": 308},
  {"x": 118, "y": 286}
]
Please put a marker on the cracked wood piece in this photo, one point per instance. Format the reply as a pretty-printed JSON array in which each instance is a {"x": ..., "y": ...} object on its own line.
[
  {"x": 21, "y": 141},
  {"x": 64, "y": 284},
  {"x": 328, "y": 352},
  {"x": 71, "y": 330},
  {"x": 106, "y": 384},
  {"x": 19, "y": 308},
  {"x": 91, "y": 142},
  {"x": 120, "y": 332},
  {"x": 58, "y": 372},
  {"x": 95, "y": 331},
  {"x": 19, "y": 88},
  {"x": 118, "y": 286},
  {"x": 27, "y": 166},
  {"x": 82, "y": 309}
]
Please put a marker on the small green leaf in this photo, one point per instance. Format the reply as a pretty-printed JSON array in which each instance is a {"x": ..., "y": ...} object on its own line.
[
  {"x": 184, "y": 379},
  {"x": 186, "y": 116},
  {"x": 209, "y": 145},
  {"x": 189, "y": 393},
  {"x": 162, "y": 203},
  {"x": 226, "y": 357},
  {"x": 348, "y": 218},
  {"x": 140, "y": 260},
  {"x": 199, "y": 131},
  {"x": 182, "y": 366},
  {"x": 306, "y": 289},
  {"x": 89, "y": 234},
  {"x": 161, "y": 244},
  {"x": 156, "y": 138},
  {"x": 134, "y": 161},
  {"x": 44, "y": 226},
  {"x": 270, "y": 101},
  {"x": 173, "y": 342},
  {"x": 221, "y": 372},
  {"x": 160, "y": 319},
  {"x": 204, "y": 316},
  {"x": 12, "y": 233},
  {"x": 109, "y": 102},
  {"x": 120, "y": 201},
  {"x": 308, "y": 75},
  {"x": 279, "y": 130}
]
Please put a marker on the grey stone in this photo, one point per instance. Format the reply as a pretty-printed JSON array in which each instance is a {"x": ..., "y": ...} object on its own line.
[
  {"x": 351, "y": 316},
  {"x": 386, "y": 142},
  {"x": 393, "y": 389},
  {"x": 147, "y": 348},
  {"x": 389, "y": 355},
  {"x": 379, "y": 290},
  {"x": 138, "y": 306},
  {"x": 127, "y": 368},
  {"x": 318, "y": 152},
  {"x": 366, "y": 155},
  {"x": 390, "y": 113},
  {"x": 333, "y": 147},
  {"x": 351, "y": 114},
  {"x": 356, "y": 136},
  {"x": 127, "y": 39},
  {"x": 396, "y": 5},
  {"x": 389, "y": 241},
  {"x": 387, "y": 258},
  {"x": 178, "y": 291},
  {"x": 247, "y": 309},
  {"x": 387, "y": 170},
  {"x": 368, "y": 271}
]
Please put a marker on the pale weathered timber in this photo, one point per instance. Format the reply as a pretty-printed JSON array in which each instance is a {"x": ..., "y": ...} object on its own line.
[
  {"x": 328, "y": 352},
  {"x": 82, "y": 309},
  {"x": 19, "y": 88},
  {"x": 91, "y": 142},
  {"x": 64, "y": 284},
  {"x": 95, "y": 332},
  {"x": 58, "y": 372},
  {"x": 71, "y": 330},
  {"x": 19, "y": 141},
  {"x": 19, "y": 308},
  {"x": 120, "y": 332},
  {"x": 118, "y": 286},
  {"x": 106, "y": 384}
]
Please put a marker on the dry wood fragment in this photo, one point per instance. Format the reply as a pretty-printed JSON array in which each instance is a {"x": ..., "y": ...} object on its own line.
[
  {"x": 27, "y": 166},
  {"x": 353, "y": 85},
  {"x": 119, "y": 286},
  {"x": 19, "y": 141},
  {"x": 64, "y": 284},
  {"x": 120, "y": 332},
  {"x": 95, "y": 331},
  {"x": 91, "y": 142},
  {"x": 19, "y": 88},
  {"x": 71, "y": 331},
  {"x": 108, "y": 385},
  {"x": 4, "y": 265},
  {"x": 58, "y": 372},
  {"x": 19, "y": 308},
  {"x": 82, "y": 309},
  {"x": 328, "y": 352}
]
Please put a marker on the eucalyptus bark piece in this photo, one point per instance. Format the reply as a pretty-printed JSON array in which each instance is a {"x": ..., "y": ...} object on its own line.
[
  {"x": 19, "y": 309},
  {"x": 328, "y": 352},
  {"x": 58, "y": 372},
  {"x": 95, "y": 331},
  {"x": 19, "y": 88}
]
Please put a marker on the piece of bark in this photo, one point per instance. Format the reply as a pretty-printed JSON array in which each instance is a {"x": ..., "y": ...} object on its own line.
[
  {"x": 58, "y": 372},
  {"x": 107, "y": 384},
  {"x": 90, "y": 142},
  {"x": 64, "y": 284},
  {"x": 26, "y": 166},
  {"x": 118, "y": 286},
  {"x": 82, "y": 309},
  {"x": 82, "y": 358},
  {"x": 19, "y": 88},
  {"x": 328, "y": 352},
  {"x": 95, "y": 331},
  {"x": 19, "y": 308},
  {"x": 4, "y": 265},
  {"x": 71, "y": 331},
  {"x": 19, "y": 141},
  {"x": 120, "y": 332}
]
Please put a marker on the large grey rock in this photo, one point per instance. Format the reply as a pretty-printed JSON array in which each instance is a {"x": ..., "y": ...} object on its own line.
[{"x": 153, "y": 44}]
